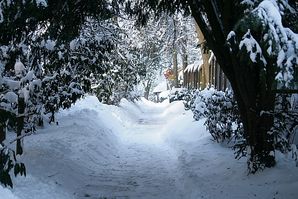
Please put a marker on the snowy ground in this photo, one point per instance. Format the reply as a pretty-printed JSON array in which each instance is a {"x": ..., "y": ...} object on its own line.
[{"x": 146, "y": 151}]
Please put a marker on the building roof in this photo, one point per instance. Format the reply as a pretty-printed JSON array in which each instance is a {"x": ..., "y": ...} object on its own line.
[{"x": 196, "y": 66}]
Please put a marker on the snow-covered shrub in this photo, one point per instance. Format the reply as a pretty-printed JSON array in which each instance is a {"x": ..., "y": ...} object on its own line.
[
  {"x": 221, "y": 113},
  {"x": 7, "y": 164},
  {"x": 182, "y": 94},
  {"x": 47, "y": 62},
  {"x": 222, "y": 117},
  {"x": 219, "y": 118},
  {"x": 285, "y": 125},
  {"x": 198, "y": 104},
  {"x": 224, "y": 124}
]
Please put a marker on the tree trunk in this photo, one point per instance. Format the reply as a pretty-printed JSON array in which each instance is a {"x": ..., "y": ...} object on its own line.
[
  {"x": 254, "y": 95},
  {"x": 2, "y": 132},
  {"x": 2, "y": 125},
  {"x": 175, "y": 68},
  {"x": 184, "y": 60},
  {"x": 147, "y": 90},
  {"x": 256, "y": 125},
  {"x": 175, "y": 60},
  {"x": 20, "y": 124}
]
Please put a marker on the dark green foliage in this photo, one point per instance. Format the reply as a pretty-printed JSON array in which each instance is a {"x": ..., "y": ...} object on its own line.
[
  {"x": 181, "y": 95},
  {"x": 221, "y": 112},
  {"x": 64, "y": 18},
  {"x": 222, "y": 115},
  {"x": 224, "y": 124},
  {"x": 59, "y": 53},
  {"x": 5, "y": 166},
  {"x": 9, "y": 162},
  {"x": 285, "y": 123}
]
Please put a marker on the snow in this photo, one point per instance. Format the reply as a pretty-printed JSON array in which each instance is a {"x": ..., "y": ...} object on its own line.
[
  {"x": 42, "y": 3},
  {"x": 60, "y": 55},
  {"x": 1, "y": 15},
  {"x": 248, "y": 2},
  {"x": 252, "y": 47},
  {"x": 211, "y": 57},
  {"x": 165, "y": 94},
  {"x": 19, "y": 68},
  {"x": 162, "y": 86},
  {"x": 50, "y": 45},
  {"x": 7, "y": 194},
  {"x": 12, "y": 84},
  {"x": 11, "y": 97},
  {"x": 142, "y": 150},
  {"x": 286, "y": 50},
  {"x": 181, "y": 77},
  {"x": 29, "y": 76},
  {"x": 73, "y": 45},
  {"x": 196, "y": 66},
  {"x": 35, "y": 84}
]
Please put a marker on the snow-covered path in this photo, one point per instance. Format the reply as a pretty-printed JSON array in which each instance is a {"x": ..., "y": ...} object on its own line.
[
  {"x": 145, "y": 166},
  {"x": 142, "y": 150},
  {"x": 123, "y": 156}
]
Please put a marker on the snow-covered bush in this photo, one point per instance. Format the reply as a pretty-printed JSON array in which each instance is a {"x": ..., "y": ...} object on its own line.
[
  {"x": 221, "y": 113},
  {"x": 221, "y": 116},
  {"x": 285, "y": 125},
  {"x": 182, "y": 94},
  {"x": 199, "y": 102},
  {"x": 224, "y": 124},
  {"x": 8, "y": 164},
  {"x": 49, "y": 56}
]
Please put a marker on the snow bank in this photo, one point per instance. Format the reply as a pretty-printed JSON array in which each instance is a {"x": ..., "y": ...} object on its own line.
[
  {"x": 6, "y": 194},
  {"x": 142, "y": 150},
  {"x": 38, "y": 188},
  {"x": 162, "y": 86},
  {"x": 85, "y": 140},
  {"x": 152, "y": 106},
  {"x": 209, "y": 170},
  {"x": 173, "y": 109}
]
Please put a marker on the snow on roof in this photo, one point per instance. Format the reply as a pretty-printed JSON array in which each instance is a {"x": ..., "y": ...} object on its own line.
[
  {"x": 211, "y": 58},
  {"x": 196, "y": 66},
  {"x": 162, "y": 86}
]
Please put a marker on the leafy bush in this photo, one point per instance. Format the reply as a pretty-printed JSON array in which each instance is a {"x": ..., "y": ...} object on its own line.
[
  {"x": 285, "y": 125},
  {"x": 8, "y": 162},
  {"x": 182, "y": 94},
  {"x": 221, "y": 113},
  {"x": 224, "y": 123},
  {"x": 46, "y": 65}
]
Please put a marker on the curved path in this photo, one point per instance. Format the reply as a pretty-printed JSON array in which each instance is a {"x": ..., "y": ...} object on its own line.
[
  {"x": 149, "y": 151},
  {"x": 146, "y": 166},
  {"x": 81, "y": 158}
]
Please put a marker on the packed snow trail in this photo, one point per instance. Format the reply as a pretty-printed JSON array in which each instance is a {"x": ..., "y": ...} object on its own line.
[
  {"x": 139, "y": 151},
  {"x": 129, "y": 160},
  {"x": 145, "y": 166}
]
